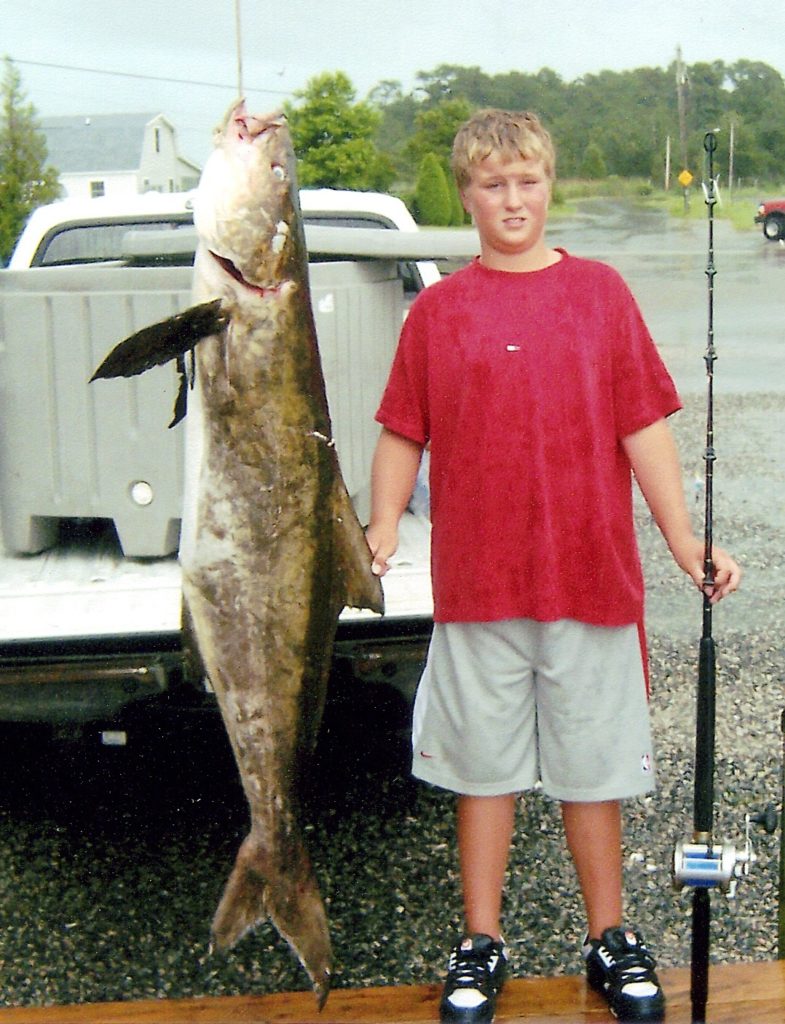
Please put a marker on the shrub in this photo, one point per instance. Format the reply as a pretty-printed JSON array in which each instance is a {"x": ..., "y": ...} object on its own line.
[{"x": 432, "y": 193}]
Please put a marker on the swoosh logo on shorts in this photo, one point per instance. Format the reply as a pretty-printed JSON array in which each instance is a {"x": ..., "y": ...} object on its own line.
[{"x": 429, "y": 756}]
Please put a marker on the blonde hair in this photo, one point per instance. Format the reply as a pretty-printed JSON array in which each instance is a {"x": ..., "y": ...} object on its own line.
[{"x": 502, "y": 133}]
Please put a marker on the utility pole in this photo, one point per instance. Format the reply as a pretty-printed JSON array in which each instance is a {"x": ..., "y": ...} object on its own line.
[
  {"x": 681, "y": 84},
  {"x": 239, "y": 40}
]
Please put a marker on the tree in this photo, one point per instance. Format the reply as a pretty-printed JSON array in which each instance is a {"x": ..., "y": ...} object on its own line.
[
  {"x": 435, "y": 129},
  {"x": 758, "y": 98},
  {"x": 25, "y": 179},
  {"x": 333, "y": 136},
  {"x": 593, "y": 165},
  {"x": 630, "y": 114},
  {"x": 432, "y": 194},
  {"x": 396, "y": 122},
  {"x": 706, "y": 94},
  {"x": 758, "y": 90}
]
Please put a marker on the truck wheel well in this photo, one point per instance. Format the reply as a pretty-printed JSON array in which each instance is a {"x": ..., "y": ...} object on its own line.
[{"x": 774, "y": 226}]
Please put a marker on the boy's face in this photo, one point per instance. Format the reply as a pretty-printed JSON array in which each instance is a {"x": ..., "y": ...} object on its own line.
[{"x": 508, "y": 201}]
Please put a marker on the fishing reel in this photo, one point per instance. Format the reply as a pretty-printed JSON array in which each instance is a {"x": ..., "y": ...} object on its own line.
[{"x": 698, "y": 865}]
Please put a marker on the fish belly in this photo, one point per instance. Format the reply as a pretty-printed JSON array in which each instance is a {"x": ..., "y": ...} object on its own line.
[{"x": 259, "y": 584}]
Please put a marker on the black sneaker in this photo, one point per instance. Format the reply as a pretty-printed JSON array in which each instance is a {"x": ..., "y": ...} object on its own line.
[
  {"x": 619, "y": 966},
  {"x": 475, "y": 975}
]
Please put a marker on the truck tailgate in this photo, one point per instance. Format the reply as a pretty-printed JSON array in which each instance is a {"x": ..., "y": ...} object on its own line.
[{"x": 85, "y": 587}]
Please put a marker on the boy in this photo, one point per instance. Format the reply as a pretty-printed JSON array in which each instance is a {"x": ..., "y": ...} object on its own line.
[{"x": 535, "y": 381}]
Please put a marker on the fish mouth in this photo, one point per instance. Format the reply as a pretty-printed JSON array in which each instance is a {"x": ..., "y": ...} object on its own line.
[
  {"x": 251, "y": 127},
  {"x": 231, "y": 269}
]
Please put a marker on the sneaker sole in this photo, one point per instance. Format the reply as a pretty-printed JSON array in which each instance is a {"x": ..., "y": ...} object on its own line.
[{"x": 655, "y": 1016}]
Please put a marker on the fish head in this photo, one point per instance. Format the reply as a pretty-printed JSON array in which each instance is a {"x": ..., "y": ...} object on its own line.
[{"x": 246, "y": 208}]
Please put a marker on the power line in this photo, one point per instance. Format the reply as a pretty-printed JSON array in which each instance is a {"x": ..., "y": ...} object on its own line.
[{"x": 146, "y": 78}]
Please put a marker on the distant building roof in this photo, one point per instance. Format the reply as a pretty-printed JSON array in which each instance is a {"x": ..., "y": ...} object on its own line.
[{"x": 97, "y": 142}]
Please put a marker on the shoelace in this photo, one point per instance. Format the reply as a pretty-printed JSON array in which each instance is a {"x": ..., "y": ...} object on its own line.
[
  {"x": 637, "y": 965},
  {"x": 470, "y": 969}
]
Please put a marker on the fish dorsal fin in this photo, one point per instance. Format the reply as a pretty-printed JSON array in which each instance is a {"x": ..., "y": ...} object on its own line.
[
  {"x": 362, "y": 588},
  {"x": 161, "y": 342}
]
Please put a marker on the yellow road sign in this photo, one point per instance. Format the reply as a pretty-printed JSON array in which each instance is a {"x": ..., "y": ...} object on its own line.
[{"x": 685, "y": 178}]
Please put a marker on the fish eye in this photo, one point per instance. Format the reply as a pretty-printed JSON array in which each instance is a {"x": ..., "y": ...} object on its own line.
[{"x": 278, "y": 172}]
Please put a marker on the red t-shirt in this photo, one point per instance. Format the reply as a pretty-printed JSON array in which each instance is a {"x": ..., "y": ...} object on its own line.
[{"x": 524, "y": 384}]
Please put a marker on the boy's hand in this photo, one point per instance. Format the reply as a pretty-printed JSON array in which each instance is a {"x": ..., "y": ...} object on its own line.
[
  {"x": 383, "y": 544},
  {"x": 393, "y": 474},
  {"x": 727, "y": 573}
]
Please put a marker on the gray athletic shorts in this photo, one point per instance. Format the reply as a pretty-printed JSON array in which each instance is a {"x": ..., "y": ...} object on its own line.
[{"x": 503, "y": 705}]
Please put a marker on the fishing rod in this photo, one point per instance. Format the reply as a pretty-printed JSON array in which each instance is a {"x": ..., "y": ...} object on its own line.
[{"x": 702, "y": 864}]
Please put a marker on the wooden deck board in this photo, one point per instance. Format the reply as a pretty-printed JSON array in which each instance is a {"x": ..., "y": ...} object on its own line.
[{"x": 738, "y": 994}]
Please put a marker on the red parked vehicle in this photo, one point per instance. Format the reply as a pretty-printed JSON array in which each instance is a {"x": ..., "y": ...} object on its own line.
[{"x": 771, "y": 215}]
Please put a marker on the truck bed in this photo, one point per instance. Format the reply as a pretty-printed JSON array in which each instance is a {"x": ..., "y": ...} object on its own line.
[
  {"x": 85, "y": 583},
  {"x": 91, "y": 479}
]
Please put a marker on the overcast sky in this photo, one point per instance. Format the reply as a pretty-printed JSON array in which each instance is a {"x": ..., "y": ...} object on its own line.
[{"x": 179, "y": 57}]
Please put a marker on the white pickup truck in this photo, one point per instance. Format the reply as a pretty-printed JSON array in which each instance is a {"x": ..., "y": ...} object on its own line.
[{"x": 91, "y": 479}]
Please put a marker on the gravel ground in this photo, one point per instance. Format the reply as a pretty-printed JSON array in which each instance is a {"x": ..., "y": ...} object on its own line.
[{"x": 112, "y": 860}]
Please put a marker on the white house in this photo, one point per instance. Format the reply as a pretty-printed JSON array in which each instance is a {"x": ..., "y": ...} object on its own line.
[{"x": 116, "y": 155}]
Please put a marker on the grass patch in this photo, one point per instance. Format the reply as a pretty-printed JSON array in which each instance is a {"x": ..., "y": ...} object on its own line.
[{"x": 738, "y": 207}]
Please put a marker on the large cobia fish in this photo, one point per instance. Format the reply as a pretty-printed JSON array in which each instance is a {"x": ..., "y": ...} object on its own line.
[{"x": 271, "y": 548}]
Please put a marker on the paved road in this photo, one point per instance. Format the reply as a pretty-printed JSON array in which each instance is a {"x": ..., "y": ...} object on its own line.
[{"x": 664, "y": 262}]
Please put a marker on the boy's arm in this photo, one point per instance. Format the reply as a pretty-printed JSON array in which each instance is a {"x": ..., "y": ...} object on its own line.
[
  {"x": 655, "y": 462},
  {"x": 393, "y": 475}
]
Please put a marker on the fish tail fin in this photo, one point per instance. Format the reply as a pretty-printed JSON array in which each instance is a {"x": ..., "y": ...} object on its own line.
[
  {"x": 362, "y": 588},
  {"x": 242, "y": 905},
  {"x": 289, "y": 896}
]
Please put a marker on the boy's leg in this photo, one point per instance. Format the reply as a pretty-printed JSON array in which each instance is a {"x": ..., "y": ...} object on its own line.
[
  {"x": 594, "y": 838},
  {"x": 478, "y": 963},
  {"x": 617, "y": 961},
  {"x": 485, "y": 827}
]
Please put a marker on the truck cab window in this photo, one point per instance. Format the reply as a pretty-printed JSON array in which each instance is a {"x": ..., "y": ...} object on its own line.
[{"x": 96, "y": 243}]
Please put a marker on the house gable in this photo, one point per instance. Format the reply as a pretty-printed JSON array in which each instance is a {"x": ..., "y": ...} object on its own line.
[{"x": 115, "y": 154}]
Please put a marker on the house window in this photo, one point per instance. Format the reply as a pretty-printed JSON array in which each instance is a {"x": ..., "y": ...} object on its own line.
[
  {"x": 97, "y": 188},
  {"x": 158, "y": 140}
]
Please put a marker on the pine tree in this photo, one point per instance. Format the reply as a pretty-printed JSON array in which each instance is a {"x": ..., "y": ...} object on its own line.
[{"x": 25, "y": 179}]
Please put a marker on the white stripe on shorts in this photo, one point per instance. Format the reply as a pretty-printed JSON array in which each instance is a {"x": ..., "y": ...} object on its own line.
[{"x": 502, "y": 705}]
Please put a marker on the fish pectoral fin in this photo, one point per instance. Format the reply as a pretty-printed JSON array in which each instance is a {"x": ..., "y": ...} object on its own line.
[
  {"x": 181, "y": 401},
  {"x": 361, "y": 588},
  {"x": 157, "y": 344},
  {"x": 193, "y": 665}
]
